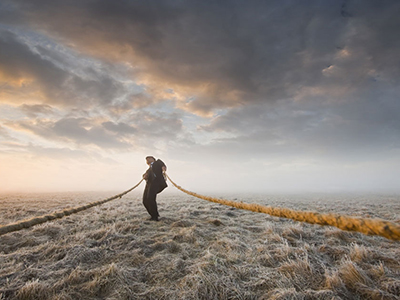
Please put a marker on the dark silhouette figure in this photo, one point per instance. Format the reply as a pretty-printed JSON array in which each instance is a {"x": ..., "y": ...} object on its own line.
[{"x": 155, "y": 183}]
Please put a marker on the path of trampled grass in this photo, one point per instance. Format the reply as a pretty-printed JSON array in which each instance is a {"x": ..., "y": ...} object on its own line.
[{"x": 198, "y": 250}]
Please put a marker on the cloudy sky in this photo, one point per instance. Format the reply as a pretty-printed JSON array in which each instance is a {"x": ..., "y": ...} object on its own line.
[{"x": 234, "y": 96}]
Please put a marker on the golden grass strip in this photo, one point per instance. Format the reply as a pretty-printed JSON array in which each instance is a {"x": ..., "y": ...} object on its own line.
[
  {"x": 57, "y": 215},
  {"x": 366, "y": 226}
]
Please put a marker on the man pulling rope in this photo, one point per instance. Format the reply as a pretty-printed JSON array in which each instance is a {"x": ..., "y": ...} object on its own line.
[{"x": 155, "y": 184}]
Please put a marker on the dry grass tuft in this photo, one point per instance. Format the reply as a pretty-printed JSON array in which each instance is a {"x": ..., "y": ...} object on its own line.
[
  {"x": 198, "y": 250},
  {"x": 33, "y": 290},
  {"x": 360, "y": 254},
  {"x": 352, "y": 275}
]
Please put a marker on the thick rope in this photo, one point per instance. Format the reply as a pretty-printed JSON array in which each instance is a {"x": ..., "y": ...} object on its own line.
[
  {"x": 380, "y": 227},
  {"x": 57, "y": 215}
]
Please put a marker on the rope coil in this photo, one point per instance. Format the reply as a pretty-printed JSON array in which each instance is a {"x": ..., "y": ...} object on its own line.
[
  {"x": 366, "y": 226},
  {"x": 57, "y": 215}
]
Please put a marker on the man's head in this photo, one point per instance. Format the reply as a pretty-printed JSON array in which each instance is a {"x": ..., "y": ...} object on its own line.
[{"x": 150, "y": 159}]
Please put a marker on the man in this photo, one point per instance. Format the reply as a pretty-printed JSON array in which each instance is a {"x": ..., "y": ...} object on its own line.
[{"x": 155, "y": 183}]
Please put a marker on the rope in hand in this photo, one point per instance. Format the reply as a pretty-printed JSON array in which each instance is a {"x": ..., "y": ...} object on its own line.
[
  {"x": 380, "y": 227},
  {"x": 57, "y": 215}
]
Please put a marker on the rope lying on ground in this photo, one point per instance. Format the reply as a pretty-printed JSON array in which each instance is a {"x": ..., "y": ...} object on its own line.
[
  {"x": 57, "y": 215},
  {"x": 380, "y": 227}
]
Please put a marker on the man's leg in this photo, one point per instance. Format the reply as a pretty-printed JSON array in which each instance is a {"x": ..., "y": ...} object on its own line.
[
  {"x": 151, "y": 205},
  {"x": 145, "y": 197}
]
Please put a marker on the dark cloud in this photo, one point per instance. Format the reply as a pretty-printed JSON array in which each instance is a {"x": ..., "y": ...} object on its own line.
[
  {"x": 141, "y": 129},
  {"x": 226, "y": 54},
  {"x": 79, "y": 131},
  {"x": 156, "y": 126},
  {"x": 53, "y": 78},
  {"x": 145, "y": 125},
  {"x": 120, "y": 128},
  {"x": 359, "y": 129},
  {"x": 17, "y": 61},
  {"x": 83, "y": 131},
  {"x": 36, "y": 109}
]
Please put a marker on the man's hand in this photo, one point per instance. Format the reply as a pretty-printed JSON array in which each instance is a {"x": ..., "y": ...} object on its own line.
[
  {"x": 145, "y": 176},
  {"x": 164, "y": 169}
]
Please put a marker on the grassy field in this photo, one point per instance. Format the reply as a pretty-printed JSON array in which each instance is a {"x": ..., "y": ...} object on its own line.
[{"x": 198, "y": 250}]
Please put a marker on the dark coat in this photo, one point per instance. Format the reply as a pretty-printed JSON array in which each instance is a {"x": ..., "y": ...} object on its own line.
[{"x": 155, "y": 178}]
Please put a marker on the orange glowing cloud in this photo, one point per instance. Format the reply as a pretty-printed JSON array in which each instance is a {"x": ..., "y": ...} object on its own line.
[{"x": 19, "y": 90}]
